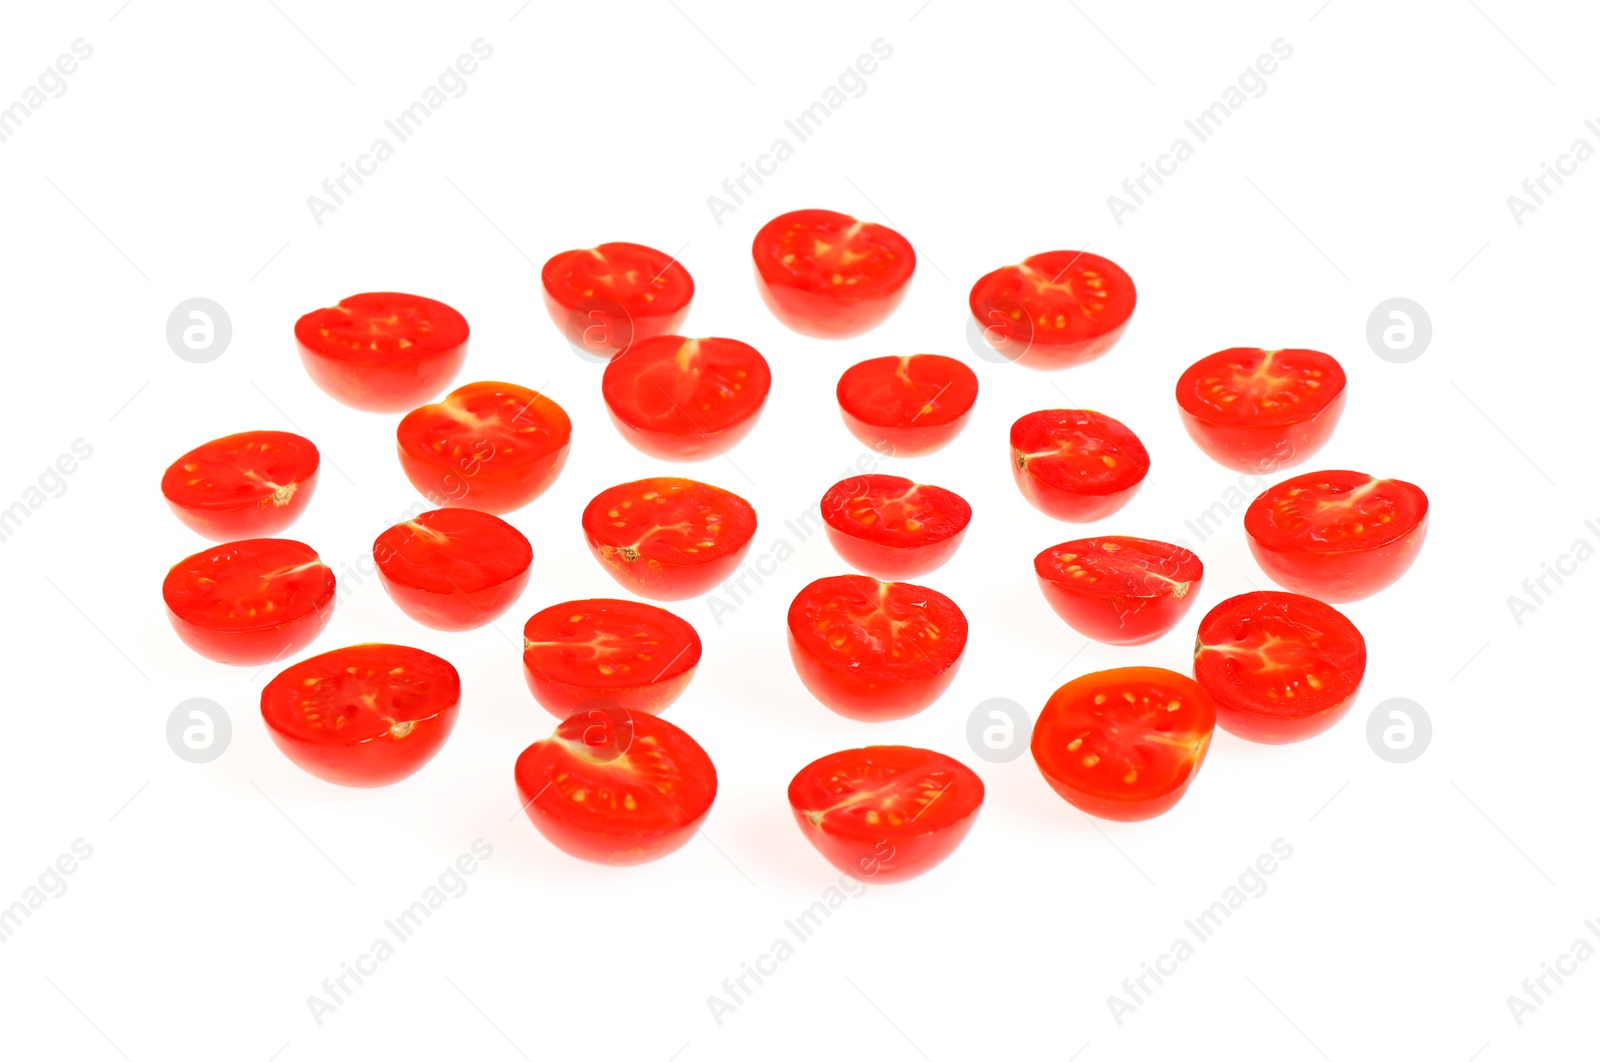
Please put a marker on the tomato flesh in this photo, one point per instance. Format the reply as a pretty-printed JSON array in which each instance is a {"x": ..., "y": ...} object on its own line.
[
  {"x": 250, "y": 485},
  {"x": 604, "y": 651},
  {"x": 1054, "y": 310},
  {"x": 1119, "y": 590},
  {"x": 365, "y": 715},
  {"x": 1259, "y": 410},
  {"x": 616, "y": 787},
  {"x": 1338, "y": 535},
  {"x": 607, "y": 298},
  {"x": 669, "y": 538},
  {"x": 875, "y": 650},
  {"x": 250, "y": 602},
  {"x": 453, "y": 569},
  {"x": 686, "y": 399},
  {"x": 892, "y": 528},
  {"x": 909, "y": 405},
  {"x": 1281, "y": 667},
  {"x": 1124, "y": 744},
  {"x": 383, "y": 351},
  {"x": 488, "y": 446},
  {"x": 886, "y": 812},
  {"x": 1075, "y": 464},
  {"x": 829, "y": 276}
]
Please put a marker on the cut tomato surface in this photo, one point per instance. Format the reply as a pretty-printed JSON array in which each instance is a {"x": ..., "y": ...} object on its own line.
[
  {"x": 1054, "y": 310},
  {"x": 250, "y": 485},
  {"x": 669, "y": 538},
  {"x": 829, "y": 276},
  {"x": 383, "y": 351},
  {"x": 605, "y": 651},
  {"x": 453, "y": 569},
  {"x": 908, "y": 405},
  {"x": 607, "y": 298},
  {"x": 1281, "y": 667},
  {"x": 1124, "y": 744},
  {"x": 1119, "y": 590},
  {"x": 1261, "y": 410},
  {"x": 892, "y": 528},
  {"x": 364, "y": 715},
  {"x": 1338, "y": 535},
  {"x": 686, "y": 399},
  {"x": 250, "y": 602},
  {"x": 886, "y": 812},
  {"x": 1076, "y": 464}
]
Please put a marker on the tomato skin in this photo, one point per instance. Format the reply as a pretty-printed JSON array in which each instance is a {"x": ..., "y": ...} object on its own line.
[
  {"x": 249, "y": 643},
  {"x": 591, "y": 323},
  {"x": 898, "y": 554},
  {"x": 504, "y": 461},
  {"x": 999, "y": 297},
  {"x": 1058, "y": 493},
  {"x": 562, "y": 697},
  {"x": 386, "y": 382},
  {"x": 907, "y": 406},
  {"x": 231, "y": 503},
  {"x": 691, "y": 434},
  {"x": 1267, "y": 441},
  {"x": 1132, "y": 617},
  {"x": 825, "y": 795},
  {"x": 418, "y": 579},
  {"x": 669, "y": 575},
  {"x": 827, "y": 312}
]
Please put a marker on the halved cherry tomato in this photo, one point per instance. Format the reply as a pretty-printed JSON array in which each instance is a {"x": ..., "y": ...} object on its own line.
[
  {"x": 686, "y": 399},
  {"x": 827, "y": 275},
  {"x": 668, "y": 538},
  {"x": 1261, "y": 410},
  {"x": 249, "y": 485},
  {"x": 909, "y": 405},
  {"x": 1054, "y": 310},
  {"x": 607, "y": 298},
  {"x": 1337, "y": 536},
  {"x": 488, "y": 446},
  {"x": 603, "y": 651},
  {"x": 1076, "y": 464},
  {"x": 365, "y": 715},
  {"x": 873, "y": 650},
  {"x": 1124, "y": 744},
  {"x": 1118, "y": 590},
  {"x": 1281, "y": 667},
  {"x": 885, "y": 812},
  {"x": 383, "y": 351},
  {"x": 892, "y": 528},
  {"x": 616, "y": 787},
  {"x": 453, "y": 569},
  {"x": 250, "y": 602}
]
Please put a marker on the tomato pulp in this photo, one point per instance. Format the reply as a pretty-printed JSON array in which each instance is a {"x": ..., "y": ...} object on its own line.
[
  {"x": 686, "y": 399},
  {"x": 1119, "y": 590},
  {"x": 250, "y": 485},
  {"x": 669, "y": 538},
  {"x": 1054, "y": 310},
  {"x": 1076, "y": 464},
  {"x": 908, "y": 405},
  {"x": 829, "y": 276},
  {"x": 607, "y": 298},
  {"x": 250, "y": 602},
  {"x": 892, "y": 528},
  {"x": 607, "y": 652},
  {"x": 453, "y": 569},
  {"x": 383, "y": 351},
  {"x": 1259, "y": 410}
]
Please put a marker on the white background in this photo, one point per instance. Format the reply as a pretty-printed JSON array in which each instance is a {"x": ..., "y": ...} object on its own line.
[{"x": 1377, "y": 164}]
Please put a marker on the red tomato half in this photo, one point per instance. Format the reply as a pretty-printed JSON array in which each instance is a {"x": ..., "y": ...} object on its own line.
[
  {"x": 668, "y": 538},
  {"x": 365, "y": 715},
  {"x": 907, "y": 406},
  {"x": 1124, "y": 744},
  {"x": 686, "y": 399},
  {"x": 616, "y": 787},
  {"x": 886, "y": 812},
  {"x": 1076, "y": 464},
  {"x": 453, "y": 569},
  {"x": 383, "y": 351},
  {"x": 1337, "y": 536},
  {"x": 1117, "y": 590},
  {"x": 1261, "y": 410},
  {"x": 1281, "y": 667},
  {"x": 249, "y": 485},
  {"x": 830, "y": 276},
  {"x": 606, "y": 298},
  {"x": 892, "y": 528},
  {"x": 873, "y": 650},
  {"x": 1054, "y": 310},
  {"x": 250, "y": 602},
  {"x": 603, "y": 651},
  {"x": 488, "y": 446}
]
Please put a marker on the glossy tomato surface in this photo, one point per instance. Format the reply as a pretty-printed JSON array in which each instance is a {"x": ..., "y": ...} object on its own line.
[
  {"x": 829, "y": 276},
  {"x": 1054, "y": 310},
  {"x": 606, "y": 298},
  {"x": 669, "y": 538},
  {"x": 365, "y": 715},
  {"x": 873, "y": 650},
  {"x": 686, "y": 399},
  {"x": 383, "y": 351},
  {"x": 886, "y": 812},
  {"x": 1261, "y": 410},
  {"x": 892, "y": 528},
  {"x": 616, "y": 787},
  {"x": 250, "y": 485},
  {"x": 250, "y": 602},
  {"x": 1281, "y": 667},
  {"x": 1075, "y": 464},
  {"x": 909, "y": 405},
  {"x": 1124, "y": 744},
  {"x": 453, "y": 569},
  {"x": 488, "y": 446},
  {"x": 1119, "y": 590},
  {"x": 605, "y": 651},
  {"x": 1339, "y": 535}
]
